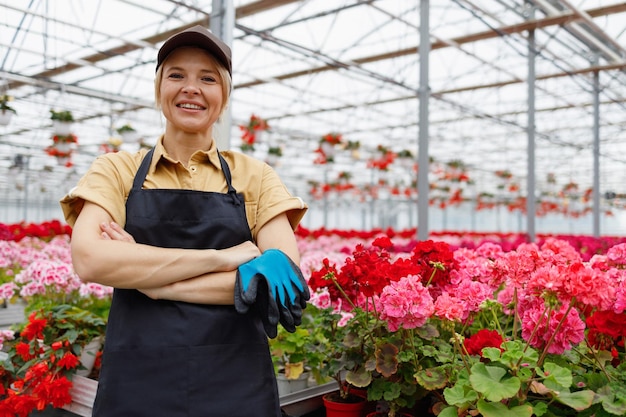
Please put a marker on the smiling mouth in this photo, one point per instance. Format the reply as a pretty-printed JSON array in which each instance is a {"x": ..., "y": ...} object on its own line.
[{"x": 190, "y": 106}]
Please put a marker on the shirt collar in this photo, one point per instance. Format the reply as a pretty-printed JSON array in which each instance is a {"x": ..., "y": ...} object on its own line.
[{"x": 160, "y": 153}]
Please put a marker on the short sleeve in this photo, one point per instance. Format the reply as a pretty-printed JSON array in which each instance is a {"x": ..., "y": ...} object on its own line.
[
  {"x": 106, "y": 183},
  {"x": 275, "y": 199}
]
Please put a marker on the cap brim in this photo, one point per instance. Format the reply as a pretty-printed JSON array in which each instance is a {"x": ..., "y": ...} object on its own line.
[{"x": 198, "y": 37}]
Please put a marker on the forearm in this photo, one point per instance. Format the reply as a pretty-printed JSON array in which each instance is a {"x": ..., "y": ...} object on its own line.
[
  {"x": 103, "y": 252},
  {"x": 214, "y": 288},
  {"x": 132, "y": 265}
]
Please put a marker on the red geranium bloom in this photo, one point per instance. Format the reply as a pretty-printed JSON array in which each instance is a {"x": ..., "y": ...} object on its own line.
[
  {"x": 482, "y": 339},
  {"x": 429, "y": 255}
]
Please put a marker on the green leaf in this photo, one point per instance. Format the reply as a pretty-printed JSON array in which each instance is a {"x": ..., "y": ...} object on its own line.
[
  {"x": 540, "y": 408},
  {"x": 579, "y": 400},
  {"x": 493, "y": 354},
  {"x": 497, "y": 409},
  {"x": 386, "y": 360},
  {"x": 448, "y": 412},
  {"x": 493, "y": 382},
  {"x": 613, "y": 399},
  {"x": 556, "y": 377},
  {"x": 432, "y": 378},
  {"x": 458, "y": 395},
  {"x": 360, "y": 378}
]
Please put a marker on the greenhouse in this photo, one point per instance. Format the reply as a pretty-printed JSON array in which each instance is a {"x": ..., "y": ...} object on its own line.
[{"x": 452, "y": 172}]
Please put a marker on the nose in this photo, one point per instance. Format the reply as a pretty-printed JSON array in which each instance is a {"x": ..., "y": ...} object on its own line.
[{"x": 190, "y": 88}]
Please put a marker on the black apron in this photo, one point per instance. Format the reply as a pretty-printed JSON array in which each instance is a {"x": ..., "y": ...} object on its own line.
[{"x": 177, "y": 359}]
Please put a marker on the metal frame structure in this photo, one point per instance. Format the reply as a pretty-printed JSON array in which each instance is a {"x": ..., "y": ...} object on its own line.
[{"x": 536, "y": 87}]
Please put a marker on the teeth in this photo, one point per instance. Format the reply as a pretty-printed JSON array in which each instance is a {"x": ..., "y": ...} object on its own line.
[{"x": 190, "y": 106}]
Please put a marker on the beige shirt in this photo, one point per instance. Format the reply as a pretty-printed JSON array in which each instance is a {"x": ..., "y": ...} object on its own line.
[{"x": 110, "y": 178}]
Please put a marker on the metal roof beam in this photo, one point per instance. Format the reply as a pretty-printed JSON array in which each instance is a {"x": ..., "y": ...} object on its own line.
[{"x": 475, "y": 37}]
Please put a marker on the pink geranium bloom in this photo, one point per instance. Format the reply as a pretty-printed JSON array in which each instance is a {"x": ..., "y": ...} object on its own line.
[
  {"x": 405, "y": 303},
  {"x": 570, "y": 332},
  {"x": 449, "y": 307}
]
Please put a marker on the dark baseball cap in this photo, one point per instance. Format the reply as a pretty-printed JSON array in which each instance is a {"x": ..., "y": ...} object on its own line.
[{"x": 200, "y": 37}]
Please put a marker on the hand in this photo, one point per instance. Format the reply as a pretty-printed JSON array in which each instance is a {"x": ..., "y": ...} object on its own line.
[
  {"x": 113, "y": 231},
  {"x": 275, "y": 285},
  {"x": 236, "y": 255},
  {"x": 152, "y": 292}
]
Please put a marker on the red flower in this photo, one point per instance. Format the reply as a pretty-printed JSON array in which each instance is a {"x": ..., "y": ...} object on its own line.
[
  {"x": 434, "y": 257},
  {"x": 34, "y": 328},
  {"x": 23, "y": 349},
  {"x": 68, "y": 361},
  {"x": 606, "y": 328},
  {"x": 482, "y": 339}
]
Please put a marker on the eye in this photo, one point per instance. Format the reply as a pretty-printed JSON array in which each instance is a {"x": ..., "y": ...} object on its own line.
[
  {"x": 209, "y": 79},
  {"x": 175, "y": 75}
]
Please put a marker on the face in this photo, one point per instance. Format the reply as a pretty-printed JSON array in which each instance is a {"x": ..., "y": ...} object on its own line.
[{"x": 191, "y": 90}]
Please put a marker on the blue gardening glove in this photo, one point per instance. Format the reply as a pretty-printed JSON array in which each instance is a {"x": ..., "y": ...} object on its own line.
[{"x": 274, "y": 285}]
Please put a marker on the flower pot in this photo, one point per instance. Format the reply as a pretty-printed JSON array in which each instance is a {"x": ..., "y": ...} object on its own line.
[
  {"x": 61, "y": 128},
  {"x": 88, "y": 356},
  {"x": 353, "y": 406},
  {"x": 63, "y": 147},
  {"x": 287, "y": 386},
  {"x": 5, "y": 117},
  {"x": 328, "y": 149},
  {"x": 129, "y": 136}
]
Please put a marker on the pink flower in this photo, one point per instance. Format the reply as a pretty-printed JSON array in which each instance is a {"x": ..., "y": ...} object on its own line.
[
  {"x": 449, "y": 307},
  {"x": 6, "y": 335},
  {"x": 405, "y": 303},
  {"x": 570, "y": 332},
  {"x": 616, "y": 255}
]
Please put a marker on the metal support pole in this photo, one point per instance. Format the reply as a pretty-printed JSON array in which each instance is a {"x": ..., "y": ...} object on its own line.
[
  {"x": 596, "y": 154},
  {"x": 530, "y": 194},
  {"x": 222, "y": 22},
  {"x": 424, "y": 96}
]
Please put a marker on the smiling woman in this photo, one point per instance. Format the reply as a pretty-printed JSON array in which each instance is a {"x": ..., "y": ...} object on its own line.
[{"x": 171, "y": 228}]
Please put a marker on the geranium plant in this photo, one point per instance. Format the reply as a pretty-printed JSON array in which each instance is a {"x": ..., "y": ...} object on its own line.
[
  {"x": 250, "y": 131},
  {"x": 71, "y": 138},
  {"x": 481, "y": 332}
]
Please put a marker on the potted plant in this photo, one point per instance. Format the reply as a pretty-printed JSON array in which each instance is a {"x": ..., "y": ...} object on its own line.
[
  {"x": 273, "y": 155},
  {"x": 61, "y": 121},
  {"x": 44, "y": 355},
  {"x": 291, "y": 353},
  {"x": 251, "y": 132},
  {"x": 328, "y": 143},
  {"x": 128, "y": 133},
  {"x": 534, "y": 331},
  {"x": 6, "y": 111}
]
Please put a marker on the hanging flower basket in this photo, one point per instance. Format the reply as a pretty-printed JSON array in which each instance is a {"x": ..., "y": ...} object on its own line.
[
  {"x": 61, "y": 122},
  {"x": 63, "y": 157},
  {"x": 112, "y": 145},
  {"x": 128, "y": 134},
  {"x": 252, "y": 132},
  {"x": 6, "y": 111},
  {"x": 5, "y": 117}
]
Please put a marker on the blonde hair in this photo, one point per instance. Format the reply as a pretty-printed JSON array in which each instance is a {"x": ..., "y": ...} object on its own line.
[{"x": 225, "y": 78}]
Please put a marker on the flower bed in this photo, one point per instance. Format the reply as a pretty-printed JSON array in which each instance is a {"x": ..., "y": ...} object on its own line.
[{"x": 483, "y": 324}]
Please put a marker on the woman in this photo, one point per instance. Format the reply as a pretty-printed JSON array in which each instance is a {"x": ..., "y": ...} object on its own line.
[{"x": 175, "y": 346}]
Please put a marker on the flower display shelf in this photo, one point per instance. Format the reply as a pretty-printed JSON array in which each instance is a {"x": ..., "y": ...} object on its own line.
[
  {"x": 306, "y": 401},
  {"x": 295, "y": 404},
  {"x": 83, "y": 394}
]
